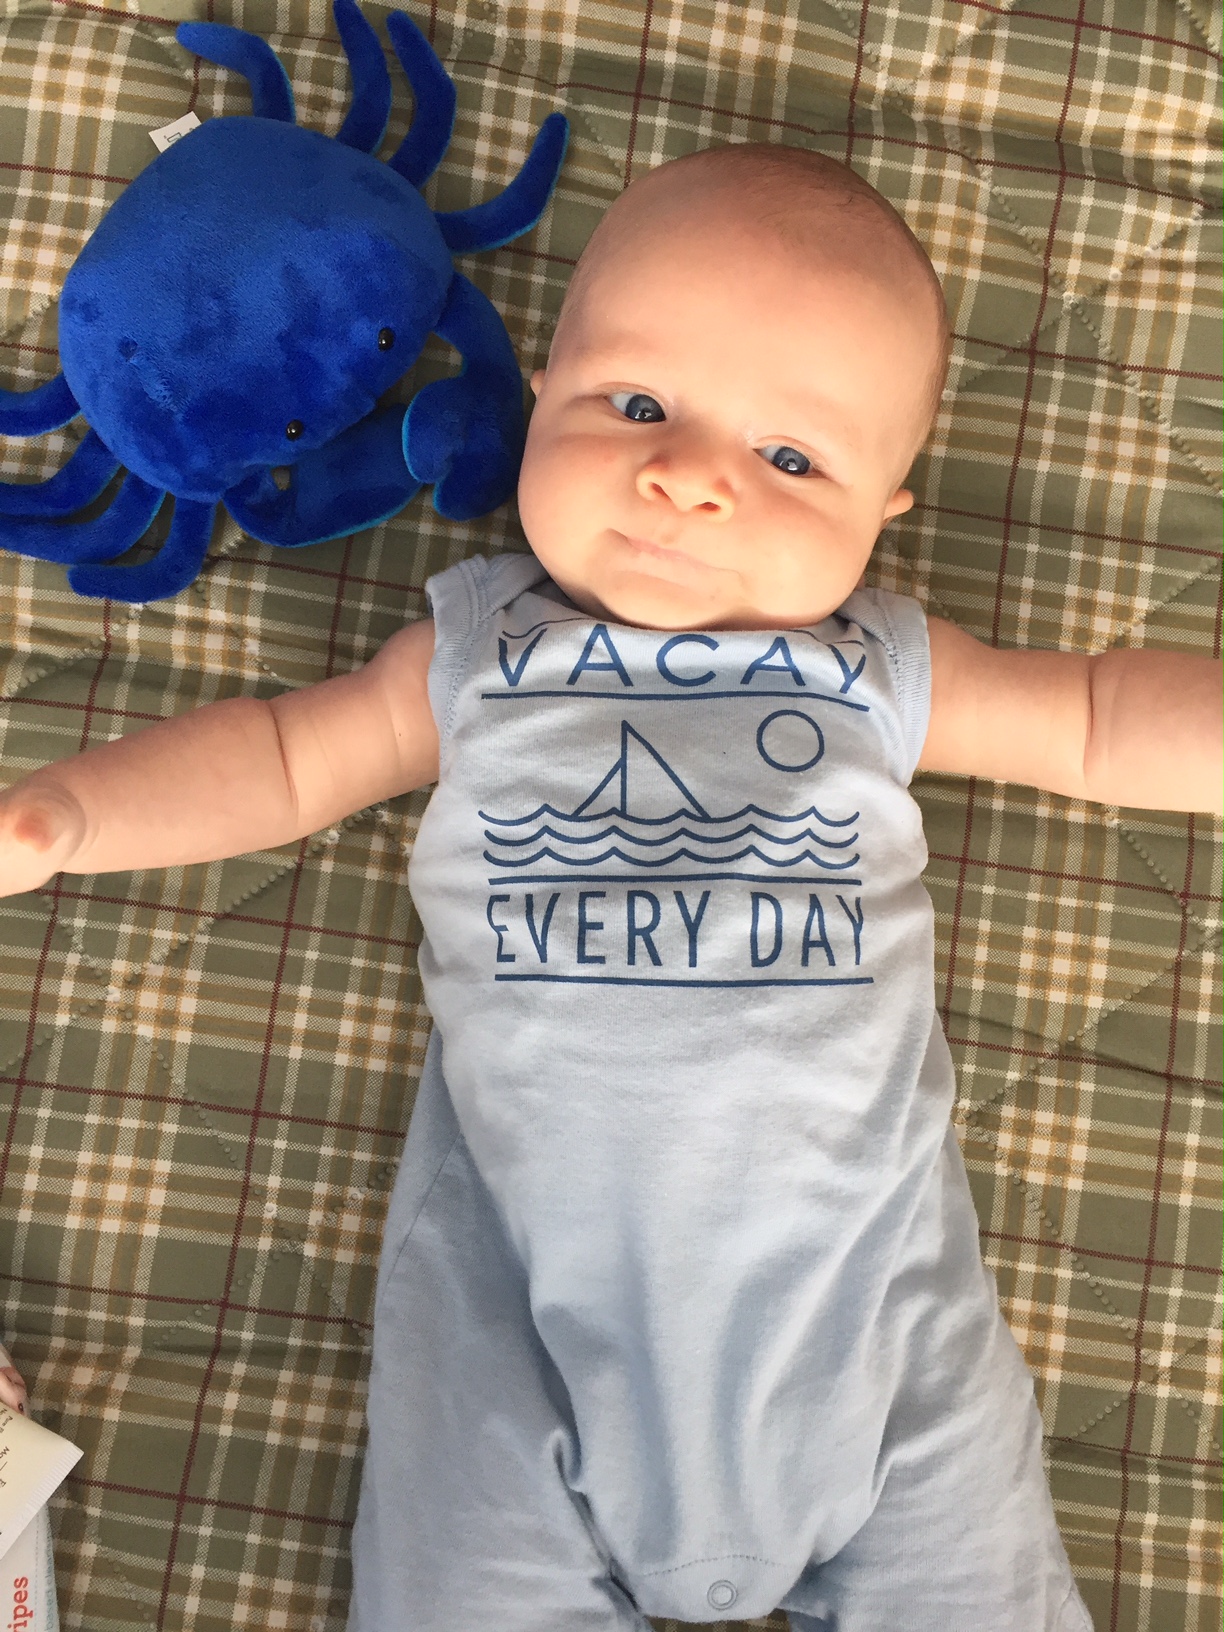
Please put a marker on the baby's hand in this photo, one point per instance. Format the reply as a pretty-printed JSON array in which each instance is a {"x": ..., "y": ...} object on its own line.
[
  {"x": 41, "y": 827},
  {"x": 12, "y": 1385}
]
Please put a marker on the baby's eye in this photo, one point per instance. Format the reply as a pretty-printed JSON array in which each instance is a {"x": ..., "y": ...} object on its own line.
[
  {"x": 790, "y": 460},
  {"x": 636, "y": 405}
]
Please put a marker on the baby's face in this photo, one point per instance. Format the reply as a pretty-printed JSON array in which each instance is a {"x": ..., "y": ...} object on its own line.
[{"x": 720, "y": 431}]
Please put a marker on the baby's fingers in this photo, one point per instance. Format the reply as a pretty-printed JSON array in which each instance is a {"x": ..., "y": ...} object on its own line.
[
  {"x": 41, "y": 825},
  {"x": 12, "y": 1387}
]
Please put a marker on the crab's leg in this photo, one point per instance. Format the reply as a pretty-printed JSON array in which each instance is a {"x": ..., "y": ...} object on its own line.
[
  {"x": 174, "y": 566},
  {"x": 433, "y": 119},
  {"x": 365, "y": 124},
  {"x": 45, "y": 408},
  {"x": 248, "y": 55},
  {"x": 102, "y": 539},
  {"x": 74, "y": 485},
  {"x": 465, "y": 434},
  {"x": 517, "y": 207},
  {"x": 355, "y": 481}
]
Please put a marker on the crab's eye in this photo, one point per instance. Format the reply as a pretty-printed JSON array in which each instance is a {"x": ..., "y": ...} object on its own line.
[
  {"x": 294, "y": 429},
  {"x": 787, "y": 459},
  {"x": 636, "y": 405},
  {"x": 386, "y": 339}
]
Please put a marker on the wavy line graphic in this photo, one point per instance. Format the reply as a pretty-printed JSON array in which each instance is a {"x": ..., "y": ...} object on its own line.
[
  {"x": 613, "y": 831},
  {"x": 810, "y": 814}
]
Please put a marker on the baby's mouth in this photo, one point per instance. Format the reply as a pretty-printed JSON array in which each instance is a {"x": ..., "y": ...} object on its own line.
[{"x": 663, "y": 553}]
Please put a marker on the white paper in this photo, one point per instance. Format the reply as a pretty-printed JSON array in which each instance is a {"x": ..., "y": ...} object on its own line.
[
  {"x": 33, "y": 1464},
  {"x": 27, "y": 1580}
]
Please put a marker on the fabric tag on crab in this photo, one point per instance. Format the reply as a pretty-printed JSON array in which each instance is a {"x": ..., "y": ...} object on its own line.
[{"x": 169, "y": 134}]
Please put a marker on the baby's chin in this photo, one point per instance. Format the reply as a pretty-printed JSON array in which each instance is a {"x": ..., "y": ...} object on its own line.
[
  {"x": 624, "y": 584},
  {"x": 652, "y": 603},
  {"x": 645, "y": 602}
]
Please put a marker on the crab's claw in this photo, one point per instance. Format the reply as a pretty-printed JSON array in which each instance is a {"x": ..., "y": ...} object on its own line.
[
  {"x": 356, "y": 480},
  {"x": 466, "y": 434}
]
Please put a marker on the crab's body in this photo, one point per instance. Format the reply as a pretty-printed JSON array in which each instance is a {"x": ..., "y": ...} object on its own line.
[
  {"x": 242, "y": 307},
  {"x": 289, "y": 331}
]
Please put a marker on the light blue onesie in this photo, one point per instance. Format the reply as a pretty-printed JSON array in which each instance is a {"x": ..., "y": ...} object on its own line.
[{"x": 681, "y": 1307}]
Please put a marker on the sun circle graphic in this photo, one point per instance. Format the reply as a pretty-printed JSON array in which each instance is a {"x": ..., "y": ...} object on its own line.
[{"x": 786, "y": 741}]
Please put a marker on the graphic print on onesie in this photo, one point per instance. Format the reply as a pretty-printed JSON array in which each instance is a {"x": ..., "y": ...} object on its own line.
[{"x": 653, "y": 875}]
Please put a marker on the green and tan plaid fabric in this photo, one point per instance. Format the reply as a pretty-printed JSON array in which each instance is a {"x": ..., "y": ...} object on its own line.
[{"x": 207, "y": 1074}]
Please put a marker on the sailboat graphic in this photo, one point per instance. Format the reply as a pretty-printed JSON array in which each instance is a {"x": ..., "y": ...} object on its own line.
[
  {"x": 646, "y": 817},
  {"x": 640, "y": 785}
]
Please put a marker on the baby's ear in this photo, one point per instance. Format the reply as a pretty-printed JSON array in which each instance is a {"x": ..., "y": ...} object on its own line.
[
  {"x": 901, "y": 501},
  {"x": 537, "y": 382}
]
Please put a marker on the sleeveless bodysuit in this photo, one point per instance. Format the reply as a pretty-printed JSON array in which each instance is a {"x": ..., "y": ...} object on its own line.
[{"x": 679, "y": 955}]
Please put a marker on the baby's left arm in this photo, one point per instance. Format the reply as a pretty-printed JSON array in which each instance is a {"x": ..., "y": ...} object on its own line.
[{"x": 1129, "y": 727}]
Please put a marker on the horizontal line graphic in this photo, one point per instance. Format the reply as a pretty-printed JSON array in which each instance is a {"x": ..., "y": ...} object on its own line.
[
  {"x": 633, "y": 980},
  {"x": 669, "y": 878},
  {"x": 796, "y": 696}
]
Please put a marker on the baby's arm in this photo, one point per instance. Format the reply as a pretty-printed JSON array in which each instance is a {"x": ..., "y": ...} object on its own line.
[
  {"x": 1128, "y": 727},
  {"x": 235, "y": 776}
]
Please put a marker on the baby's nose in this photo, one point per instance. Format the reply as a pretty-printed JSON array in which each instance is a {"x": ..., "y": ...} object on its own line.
[{"x": 689, "y": 484}]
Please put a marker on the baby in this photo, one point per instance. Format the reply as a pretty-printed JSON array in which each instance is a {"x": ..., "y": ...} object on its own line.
[{"x": 681, "y": 1310}]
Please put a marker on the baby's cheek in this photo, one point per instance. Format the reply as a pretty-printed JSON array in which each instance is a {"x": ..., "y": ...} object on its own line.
[
  {"x": 563, "y": 486},
  {"x": 809, "y": 565}
]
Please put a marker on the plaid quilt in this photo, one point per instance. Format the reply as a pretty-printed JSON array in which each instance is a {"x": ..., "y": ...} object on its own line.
[{"x": 207, "y": 1073}]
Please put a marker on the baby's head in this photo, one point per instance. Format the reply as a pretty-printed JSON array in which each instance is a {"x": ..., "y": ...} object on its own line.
[{"x": 749, "y": 355}]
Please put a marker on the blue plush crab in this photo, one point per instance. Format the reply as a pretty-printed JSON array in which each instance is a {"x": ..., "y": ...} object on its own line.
[{"x": 228, "y": 330}]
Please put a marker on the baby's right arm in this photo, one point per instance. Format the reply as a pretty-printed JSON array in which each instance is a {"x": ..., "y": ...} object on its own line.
[{"x": 235, "y": 776}]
